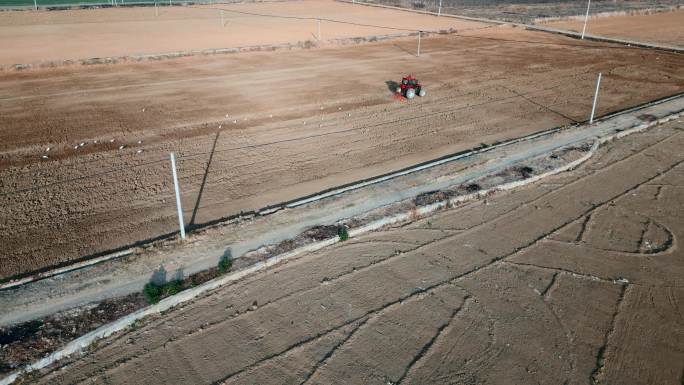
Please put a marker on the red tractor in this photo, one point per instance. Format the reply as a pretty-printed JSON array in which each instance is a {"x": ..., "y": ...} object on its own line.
[{"x": 410, "y": 87}]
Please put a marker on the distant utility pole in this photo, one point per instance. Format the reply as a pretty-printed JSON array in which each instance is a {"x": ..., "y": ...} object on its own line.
[
  {"x": 439, "y": 11},
  {"x": 586, "y": 17},
  {"x": 418, "y": 53},
  {"x": 35, "y": 5}
]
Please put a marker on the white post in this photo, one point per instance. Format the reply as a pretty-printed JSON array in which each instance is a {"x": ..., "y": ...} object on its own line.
[
  {"x": 593, "y": 108},
  {"x": 439, "y": 11},
  {"x": 318, "y": 30},
  {"x": 156, "y": 10},
  {"x": 178, "y": 199},
  {"x": 418, "y": 53},
  {"x": 35, "y": 5},
  {"x": 586, "y": 17}
]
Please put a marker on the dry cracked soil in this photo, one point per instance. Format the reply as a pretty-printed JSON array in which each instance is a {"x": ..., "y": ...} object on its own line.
[{"x": 577, "y": 279}]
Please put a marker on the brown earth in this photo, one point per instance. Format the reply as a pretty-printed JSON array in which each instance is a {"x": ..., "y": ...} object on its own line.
[
  {"x": 659, "y": 28},
  {"x": 33, "y": 37},
  {"x": 528, "y": 12},
  {"x": 578, "y": 279},
  {"x": 261, "y": 128}
]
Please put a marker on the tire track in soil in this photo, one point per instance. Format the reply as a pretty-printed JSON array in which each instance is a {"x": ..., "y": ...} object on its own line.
[
  {"x": 332, "y": 351},
  {"x": 603, "y": 355},
  {"x": 415, "y": 362}
]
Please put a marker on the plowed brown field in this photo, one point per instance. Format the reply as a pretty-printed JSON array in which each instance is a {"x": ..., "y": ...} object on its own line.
[
  {"x": 260, "y": 128},
  {"x": 665, "y": 28}
]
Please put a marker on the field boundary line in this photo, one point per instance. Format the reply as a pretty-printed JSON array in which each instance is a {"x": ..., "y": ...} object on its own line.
[
  {"x": 575, "y": 35},
  {"x": 334, "y": 191},
  {"x": 83, "y": 342}
]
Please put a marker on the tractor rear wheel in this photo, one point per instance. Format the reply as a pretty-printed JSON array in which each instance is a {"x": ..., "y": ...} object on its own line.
[
  {"x": 410, "y": 93},
  {"x": 422, "y": 92}
]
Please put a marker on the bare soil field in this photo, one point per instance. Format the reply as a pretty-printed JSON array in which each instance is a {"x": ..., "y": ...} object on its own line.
[
  {"x": 576, "y": 279},
  {"x": 661, "y": 28},
  {"x": 523, "y": 11},
  {"x": 256, "y": 129},
  {"x": 34, "y": 37}
]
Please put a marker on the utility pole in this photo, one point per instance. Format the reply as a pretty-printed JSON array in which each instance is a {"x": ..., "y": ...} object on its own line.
[
  {"x": 586, "y": 18},
  {"x": 178, "y": 198},
  {"x": 593, "y": 108}
]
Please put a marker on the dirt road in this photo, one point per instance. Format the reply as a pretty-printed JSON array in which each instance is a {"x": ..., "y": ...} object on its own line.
[
  {"x": 665, "y": 28},
  {"x": 574, "y": 280},
  {"x": 34, "y": 37},
  {"x": 256, "y": 129}
]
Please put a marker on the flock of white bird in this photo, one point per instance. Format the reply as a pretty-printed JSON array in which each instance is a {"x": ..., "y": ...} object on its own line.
[{"x": 139, "y": 151}]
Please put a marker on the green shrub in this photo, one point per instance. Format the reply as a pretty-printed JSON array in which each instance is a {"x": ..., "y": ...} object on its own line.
[
  {"x": 152, "y": 292},
  {"x": 342, "y": 233},
  {"x": 224, "y": 265},
  {"x": 173, "y": 287}
]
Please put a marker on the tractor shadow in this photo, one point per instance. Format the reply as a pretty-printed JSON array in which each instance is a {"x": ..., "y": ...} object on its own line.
[{"x": 392, "y": 85}]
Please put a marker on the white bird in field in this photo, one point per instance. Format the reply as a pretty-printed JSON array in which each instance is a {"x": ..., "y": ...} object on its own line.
[
  {"x": 76, "y": 147},
  {"x": 140, "y": 142},
  {"x": 121, "y": 147},
  {"x": 44, "y": 156},
  {"x": 47, "y": 149},
  {"x": 139, "y": 151}
]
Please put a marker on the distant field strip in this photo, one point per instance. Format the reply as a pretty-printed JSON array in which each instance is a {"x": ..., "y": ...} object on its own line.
[{"x": 67, "y": 3}]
